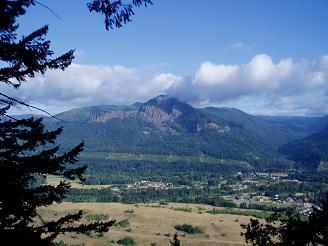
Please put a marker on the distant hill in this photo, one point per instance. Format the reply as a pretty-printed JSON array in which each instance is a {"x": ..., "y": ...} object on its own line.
[
  {"x": 321, "y": 123},
  {"x": 272, "y": 132},
  {"x": 85, "y": 113},
  {"x": 304, "y": 124},
  {"x": 309, "y": 152},
  {"x": 167, "y": 126}
]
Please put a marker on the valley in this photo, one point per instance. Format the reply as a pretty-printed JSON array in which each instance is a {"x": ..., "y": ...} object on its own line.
[
  {"x": 155, "y": 123},
  {"x": 194, "y": 166},
  {"x": 128, "y": 179}
]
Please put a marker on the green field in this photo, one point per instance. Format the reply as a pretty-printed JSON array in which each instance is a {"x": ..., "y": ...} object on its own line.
[{"x": 162, "y": 158}]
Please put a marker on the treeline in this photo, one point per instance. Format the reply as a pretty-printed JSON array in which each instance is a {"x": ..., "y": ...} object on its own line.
[
  {"x": 291, "y": 187},
  {"x": 272, "y": 164},
  {"x": 139, "y": 137},
  {"x": 310, "y": 176},
  {"x": 147, "y": 195},
  {"x": 266, "y": 207},
  {"x": 256, "y": 214},
  {"x": 101, "y": 171}
]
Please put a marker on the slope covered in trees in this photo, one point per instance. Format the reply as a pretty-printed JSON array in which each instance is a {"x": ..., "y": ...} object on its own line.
[
  {"x": 167, "y": 126},
  {"x": 309, "y": 152}
]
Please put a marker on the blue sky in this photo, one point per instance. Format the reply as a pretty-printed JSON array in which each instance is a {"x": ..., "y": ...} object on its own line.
[{"x": 264, "y": 57}]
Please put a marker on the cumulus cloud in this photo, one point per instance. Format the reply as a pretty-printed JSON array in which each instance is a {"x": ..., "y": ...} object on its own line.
[
  {"x": 214, "y": 74},
  {"x": 259, "y": 86},
  {"x": 81, "y": 85},
  {"x": 261, "y": 80}
]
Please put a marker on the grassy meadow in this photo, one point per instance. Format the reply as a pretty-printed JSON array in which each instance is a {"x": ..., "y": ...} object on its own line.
[{"x": 152, "y": 224}]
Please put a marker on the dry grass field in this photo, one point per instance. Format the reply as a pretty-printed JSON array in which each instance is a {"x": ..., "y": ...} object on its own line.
[
  {"x": 55, "y": 180},
  {"x": 153, "y": 224}
]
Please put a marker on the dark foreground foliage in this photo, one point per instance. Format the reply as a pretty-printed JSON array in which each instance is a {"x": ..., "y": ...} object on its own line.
[
  {"x": 291, "y": 230},
  {"x": 28, "y": 151}
]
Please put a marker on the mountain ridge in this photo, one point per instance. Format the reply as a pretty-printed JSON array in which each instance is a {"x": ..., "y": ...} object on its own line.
[
  {"x": 309, "y": 151},
  {"x": 165, "y": 126}
]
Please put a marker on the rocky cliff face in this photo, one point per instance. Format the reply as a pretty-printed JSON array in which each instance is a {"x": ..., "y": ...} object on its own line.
[
  {"x": 159, "y": 111},
  {"x": 158, "y": 116},
  {"x": 151, "y": 114},
  {"x": 162, "y": 112},
  {"x": 107, "y": 116}
]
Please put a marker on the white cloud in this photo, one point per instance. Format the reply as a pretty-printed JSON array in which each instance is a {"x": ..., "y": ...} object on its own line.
[
  {"x": 214, "y": 74},
  {"x": 259, "y": 86},
  {"x": 260, "y": 80},
  {"x": 240, "y": 45},
  {"x": 81, "y": 85},
  {"x": 166, "y": 80}
]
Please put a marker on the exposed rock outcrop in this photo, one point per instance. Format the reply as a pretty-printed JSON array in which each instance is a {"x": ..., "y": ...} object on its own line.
[
  {"x": 162, "y": 112},
  {"x": 107, "y": 116}
]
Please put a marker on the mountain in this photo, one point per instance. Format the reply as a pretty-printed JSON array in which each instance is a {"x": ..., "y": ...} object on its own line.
[
  {"x": 305, "y": 124},
  {"x": 181, "y": 116},
  {"x": 273, "y": 133},
  {"x": 85, "y": 113},
  {"x": 164, "y": 113},
  {"x": 162, "y": 125},
  {"x": 167, "y": 126},
  {"x": 310, "y": 152},
  {"x": 321, "y": 123}
]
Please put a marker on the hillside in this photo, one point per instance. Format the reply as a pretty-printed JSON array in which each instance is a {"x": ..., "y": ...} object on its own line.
[
  {"x": 167, "y": 126},
  {"x": 309, "y": 125},
  {"x": 309, "y": 152},
  {"x": 272, "y": 132},
  {"x": 153, "y": 224}
]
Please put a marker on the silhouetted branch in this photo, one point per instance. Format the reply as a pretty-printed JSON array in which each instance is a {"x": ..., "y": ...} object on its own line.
[
  {"x": 45, "y": 6},
  {"x": 30, "y": 106}
]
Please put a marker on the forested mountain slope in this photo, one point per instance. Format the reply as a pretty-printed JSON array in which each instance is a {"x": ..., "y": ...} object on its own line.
[
  {"x": 309, "y": 152},
  {"x": 167, "y": 126}
]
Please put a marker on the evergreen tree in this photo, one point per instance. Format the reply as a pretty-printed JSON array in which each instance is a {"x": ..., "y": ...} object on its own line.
[{"x": 28, "y": 151}]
